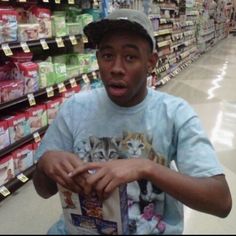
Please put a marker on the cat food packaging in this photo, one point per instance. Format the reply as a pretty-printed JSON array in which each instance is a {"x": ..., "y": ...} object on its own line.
[
  {"x": 4, "y": 134},
  {"x": 42, "y": 16},
  {"x": 36, "y": 117},
  {"x": 88, "y": 215},
  {"x": 18, "y": 126},
  {"x": 23, "y": 158},
  {"x": 6, "y": 169},
  {"x": 8, "y": 25}
]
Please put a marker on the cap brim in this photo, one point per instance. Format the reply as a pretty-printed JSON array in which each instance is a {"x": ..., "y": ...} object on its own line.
[{"x": 95, "y": 31}]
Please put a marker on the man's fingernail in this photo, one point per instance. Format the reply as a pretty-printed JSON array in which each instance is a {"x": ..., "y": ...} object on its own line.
[{"x": 70, "y": 174}]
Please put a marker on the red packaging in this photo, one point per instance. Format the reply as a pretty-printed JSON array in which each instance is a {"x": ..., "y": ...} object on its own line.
[
  {"x": 6, "y": 169},
  {"x": 52, "y": 108}
]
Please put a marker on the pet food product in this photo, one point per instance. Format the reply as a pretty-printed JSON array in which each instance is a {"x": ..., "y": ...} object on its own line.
[{"x": 6, "y": 169}]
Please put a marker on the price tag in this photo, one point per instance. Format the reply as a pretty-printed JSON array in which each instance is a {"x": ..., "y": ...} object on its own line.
[
  {"x": 22, "y": 178},
  {"x": 57, "y": 1},
  {"x": 22, "y": 0},
  {"x": 94, "y": 75},
  {"x": 61, "y": 87},
  {"x": 73, "y": 83},
  {"x": 85, "y": 78},
  {"x": 25, "y": 47},
  {"x": 60, "y": 43},
  {"x": 37, "y": 137},
  {"x": 73, "y": 40},
  {"x": 45, "y": 0},
  {"x": 31, "y": 99},
  {"x": 50, "y": 92},
  {"x": 71, "y": 1},
  {"x": 44, "y": 44},
  {"x": 85, "y": 39},
  {"x": 4, "y": 191},
  {"x": 6, "y": 49}
]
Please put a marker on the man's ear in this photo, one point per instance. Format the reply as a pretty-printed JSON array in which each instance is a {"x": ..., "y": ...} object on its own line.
[{"x": 152, "y": 61}]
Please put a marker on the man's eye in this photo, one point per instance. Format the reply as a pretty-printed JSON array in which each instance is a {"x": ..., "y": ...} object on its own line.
[
  {"x": 107, "y": 56},
  {"x": 130, "y": 58}
]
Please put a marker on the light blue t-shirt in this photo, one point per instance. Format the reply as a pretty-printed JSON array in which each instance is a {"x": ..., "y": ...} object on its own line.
[{"x": 161, "y": 125}]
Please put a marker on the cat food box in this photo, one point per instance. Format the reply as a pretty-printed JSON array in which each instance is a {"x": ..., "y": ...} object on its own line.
[
  {"x": 90, "y": 216},
  {"x": 6, "y": 169}
]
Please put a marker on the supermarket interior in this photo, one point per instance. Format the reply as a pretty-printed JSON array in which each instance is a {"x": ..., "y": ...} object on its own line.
[{"x": 45, "y": 59}]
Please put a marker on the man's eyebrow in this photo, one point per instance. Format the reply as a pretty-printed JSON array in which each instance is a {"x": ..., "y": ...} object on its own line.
[{"x": 133, "y": 46}]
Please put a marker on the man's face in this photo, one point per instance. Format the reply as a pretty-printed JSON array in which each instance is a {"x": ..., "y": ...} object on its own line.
[{"x": 124, "y": 59}]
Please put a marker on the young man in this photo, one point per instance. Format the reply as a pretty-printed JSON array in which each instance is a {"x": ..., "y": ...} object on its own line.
[{"x": 140, "y": 131}]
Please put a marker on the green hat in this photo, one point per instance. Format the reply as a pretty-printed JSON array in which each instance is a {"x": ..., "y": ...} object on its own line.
[{"x": 128, "y": 19}]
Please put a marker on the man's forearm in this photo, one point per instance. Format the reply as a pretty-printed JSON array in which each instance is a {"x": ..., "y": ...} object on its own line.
[{"x": 44, "y": 185}]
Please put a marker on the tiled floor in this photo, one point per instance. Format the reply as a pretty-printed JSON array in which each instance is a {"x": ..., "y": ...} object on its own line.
[{"x": 209, "y": 85}]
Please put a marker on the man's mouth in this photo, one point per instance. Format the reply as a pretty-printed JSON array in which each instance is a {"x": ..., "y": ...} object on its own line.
[{"x": 117, "y": 88}]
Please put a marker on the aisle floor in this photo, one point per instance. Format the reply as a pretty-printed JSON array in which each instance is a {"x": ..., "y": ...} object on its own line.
[{"x": 209, "y": 85}]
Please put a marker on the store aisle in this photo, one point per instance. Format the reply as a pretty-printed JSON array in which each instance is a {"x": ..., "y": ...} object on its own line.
[{"x": 209, "y": 85}]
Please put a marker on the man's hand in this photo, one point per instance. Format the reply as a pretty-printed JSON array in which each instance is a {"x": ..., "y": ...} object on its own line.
[
  {"x": 58, "y": 164},
  {"x": 104, "y": 177}
]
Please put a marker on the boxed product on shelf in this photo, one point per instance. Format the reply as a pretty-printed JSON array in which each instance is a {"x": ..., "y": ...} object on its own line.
[
  {"x": 7, "y": 171},
  {"x": 23, "y": 158},
  {"x": 28, "y": 32},
  {"x": 18, "y": 126},
  {"x": 28, "y": 73},
  {"x": 59, "y": 72},
  {"x": 52, "y": 107},
  {"x": 72, "y": 71},
  {"x": 89, "y": 215},
  {"x": 8, "y": 25},
  {"x": 59, "y": 27},
  {"x": 5, "y": 72},
  {"x": 46, "y": 74},
  {"x": 36, "y": 117},
  {"x": 42, "y": 16},
  {"x": 74, "y": 28},
  {"x": 4, "y": 134},
  {"x": 10, "y": 90}
]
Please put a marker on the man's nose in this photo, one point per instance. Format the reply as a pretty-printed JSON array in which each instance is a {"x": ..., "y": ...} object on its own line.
[{"x": 118, "y": 66}]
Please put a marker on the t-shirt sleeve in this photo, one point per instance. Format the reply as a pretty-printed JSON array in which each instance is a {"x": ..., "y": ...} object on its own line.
[
  {"x": 195, "y": 154},
  {"x": 58, "y": 136}
]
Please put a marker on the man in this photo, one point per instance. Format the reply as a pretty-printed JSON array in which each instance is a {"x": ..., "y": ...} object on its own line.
[{"x": 151, "y": 131}]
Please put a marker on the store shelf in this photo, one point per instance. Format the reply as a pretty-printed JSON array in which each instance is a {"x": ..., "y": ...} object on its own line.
[
  {"x": 21, "y": 142},
  {"x": 71, "y": 2},
  {"x": 13, "y": 185},
  {"x": 41, "y": 94}
]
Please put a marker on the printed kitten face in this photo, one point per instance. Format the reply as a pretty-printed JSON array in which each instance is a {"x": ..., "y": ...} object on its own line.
[
  {"x": 136, "y": 145},
  {"x": 104, "y": 149}
]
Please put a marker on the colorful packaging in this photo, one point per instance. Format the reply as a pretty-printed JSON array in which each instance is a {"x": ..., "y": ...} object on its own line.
[
  {"x": 52, "y": 108},
  {"x": 36, "y": 117},
  {"x": 6, "y": 169},
  {"x": 88, "y": 215},
  {"x": 11, "y": 89},
  {"x": 72, "y": 71},
  {"x": 4, "y": 134},
  {"x": 59, "y": 72},
  {"x": 18, "y": 127},
  {"x": 59, "y": 28},
  {"x": 46, "y": 74},
  {"x": 42, "y": 16},
  {"x": 5, "y": 72},
  {"x": 74, "y": 28},
  {"x": 28, "y": 73},
  {"x": 23, "y": 158},
  {"x": 28, "y": 32},
  {"x": 8, "y": 25}
]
